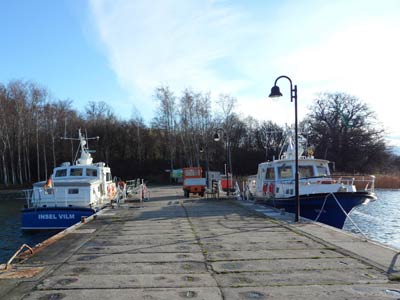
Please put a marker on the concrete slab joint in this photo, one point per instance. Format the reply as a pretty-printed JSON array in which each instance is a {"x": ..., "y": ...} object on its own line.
[{"x": 204, "y": 248}]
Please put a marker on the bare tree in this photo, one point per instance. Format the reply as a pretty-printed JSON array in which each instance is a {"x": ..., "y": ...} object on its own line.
[
  {"x": 227, "y": 105},
  {"x": 166, "y": 119},
  {"x": 344, "y": 130}
]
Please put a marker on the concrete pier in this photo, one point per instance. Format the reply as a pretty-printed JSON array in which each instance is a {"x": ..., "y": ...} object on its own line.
[{"x": 178, "y": 248}]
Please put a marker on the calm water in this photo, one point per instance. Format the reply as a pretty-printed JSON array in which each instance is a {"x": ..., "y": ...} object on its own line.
[
  {"x": 379, "y": 220},
  {"x": 11, "y": 237}
]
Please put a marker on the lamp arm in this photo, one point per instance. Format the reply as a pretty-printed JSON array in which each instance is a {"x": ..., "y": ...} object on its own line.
[{"x": 293, "y": 91}]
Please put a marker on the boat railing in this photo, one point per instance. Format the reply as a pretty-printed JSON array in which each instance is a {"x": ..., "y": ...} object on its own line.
[
  {"x": 28, "y": 197},
  {"x": 137, "y": 188},
  {"x": 132, "y": 186},
  {"x": 33, "y": 197},
  {"x": 361, "y": 182}
]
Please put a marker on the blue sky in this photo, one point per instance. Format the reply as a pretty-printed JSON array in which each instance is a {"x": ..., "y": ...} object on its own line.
[
  {"x": 53, "y": 43},
  {"x": 119, "y": 51}
]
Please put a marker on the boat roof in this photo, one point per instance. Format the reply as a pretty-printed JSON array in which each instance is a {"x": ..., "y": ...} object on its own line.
[
  {"x": 301, "y": 161},
  {"x": 93, "y": 166}
]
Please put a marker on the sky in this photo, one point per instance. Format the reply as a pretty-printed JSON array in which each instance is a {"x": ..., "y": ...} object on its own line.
[{"x": 120, "y": 51}]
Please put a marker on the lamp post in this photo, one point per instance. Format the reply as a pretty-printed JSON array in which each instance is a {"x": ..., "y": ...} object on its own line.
[
  {"x": 228, "y": 159},
  {"x": 275, "y": 92}
]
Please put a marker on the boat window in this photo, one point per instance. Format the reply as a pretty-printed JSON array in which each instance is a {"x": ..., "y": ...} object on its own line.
[
  {"x": 91, "y": 172},
  {"x": 73, "y": 191},
  {"x": 61, "y": 173},
  {"x": 270, "y": 173},
  {"x": 76, "y": 172},
  {"x": 108, "y": 176},
  {"x": 322, "y": 171},
  {"x": 306, "y": 171},
  {"x": 285, "y": 172}
]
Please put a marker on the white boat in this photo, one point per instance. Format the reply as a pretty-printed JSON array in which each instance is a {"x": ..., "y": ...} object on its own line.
[
  {"x": 323, "y": 197},
  {"x": 73, "y": 191}
]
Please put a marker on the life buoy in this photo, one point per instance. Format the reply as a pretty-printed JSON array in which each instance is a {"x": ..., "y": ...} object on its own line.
[
  {"x": 111, "y": 190},
  {"x": 121, "y": 184},
  {"x": 271, "y": 188},
  {"x": 265, "y": 189}
]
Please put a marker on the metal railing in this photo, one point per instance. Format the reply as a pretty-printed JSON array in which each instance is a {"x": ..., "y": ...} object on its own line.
[
  {"x": 360, "y": 182},
  {"x": 137, "y": 189}
]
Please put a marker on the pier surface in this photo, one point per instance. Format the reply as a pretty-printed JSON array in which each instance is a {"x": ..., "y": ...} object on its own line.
[{"x": 172, "y": 247}]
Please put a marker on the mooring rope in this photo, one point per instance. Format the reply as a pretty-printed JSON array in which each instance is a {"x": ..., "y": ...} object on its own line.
[{"x": 341, "y": 207}]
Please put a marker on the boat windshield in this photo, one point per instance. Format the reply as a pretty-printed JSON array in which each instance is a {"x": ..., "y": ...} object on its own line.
[
  {"x": 322, "y": 171},
  {"x": 91, "y": 172},
  {"x": 76, "y": 172},
  {"x": 285, "y": 172},
  {"x": 61, "y": 173}
]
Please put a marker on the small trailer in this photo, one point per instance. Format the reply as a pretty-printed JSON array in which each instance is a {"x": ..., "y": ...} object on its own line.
[{"x": 193, "y": 181}]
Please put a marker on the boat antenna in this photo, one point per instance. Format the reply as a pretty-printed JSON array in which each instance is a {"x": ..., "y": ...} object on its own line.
[{"x": 83, "y": 147}]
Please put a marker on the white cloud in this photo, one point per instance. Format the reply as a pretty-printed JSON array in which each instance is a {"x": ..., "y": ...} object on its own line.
[
  {"x": 240, "y": 48},
  {"x": 176, "y": 43},
  {"x": 361, "y": 59}
]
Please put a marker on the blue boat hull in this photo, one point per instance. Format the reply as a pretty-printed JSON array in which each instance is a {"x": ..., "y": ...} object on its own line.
[
  {"x": 45, "y": 218},
  {"x": 331, "y": 214}
]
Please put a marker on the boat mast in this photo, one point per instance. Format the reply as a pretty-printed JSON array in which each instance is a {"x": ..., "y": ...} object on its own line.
[{"x": 85, "y": 158}]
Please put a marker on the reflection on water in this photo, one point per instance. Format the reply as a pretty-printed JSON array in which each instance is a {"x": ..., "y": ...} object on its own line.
[
  {"x": 11, "y": 237},
  {"x": 379, "y": 220}
]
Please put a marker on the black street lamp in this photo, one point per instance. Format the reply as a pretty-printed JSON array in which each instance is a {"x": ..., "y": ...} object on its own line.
[
  {"x": 275, "y": 92},
  {"x": 228, "y": 159}
]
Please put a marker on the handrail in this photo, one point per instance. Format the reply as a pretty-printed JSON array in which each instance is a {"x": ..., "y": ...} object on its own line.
[
  {"x": 362, "y": 182},
  {"x": 28, "y": 195},
  {"x": 8, "y": 264}
]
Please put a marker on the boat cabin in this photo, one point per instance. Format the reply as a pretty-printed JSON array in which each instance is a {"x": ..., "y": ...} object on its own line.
[
  {"x": 277, "y": 178},
  {"x": 77, "y": 185},
  {"x": 97, "y": 170}
]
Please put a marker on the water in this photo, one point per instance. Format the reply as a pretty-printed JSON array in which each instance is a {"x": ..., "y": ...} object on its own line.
[
  {"x": 11, "y": 236},
  {"x": 379, "y": 220}
]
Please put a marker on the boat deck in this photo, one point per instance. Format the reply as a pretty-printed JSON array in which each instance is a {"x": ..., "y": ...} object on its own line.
[{"x": 172, "y": 247}]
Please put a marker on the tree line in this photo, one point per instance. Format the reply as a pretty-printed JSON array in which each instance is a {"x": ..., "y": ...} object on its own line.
[{"x": 339, "y": 127}]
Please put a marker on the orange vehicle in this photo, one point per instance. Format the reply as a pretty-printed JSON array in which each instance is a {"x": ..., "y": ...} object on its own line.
[
  {"x": 227, "y": 182},
  {"x": 193, "y": 181}
]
